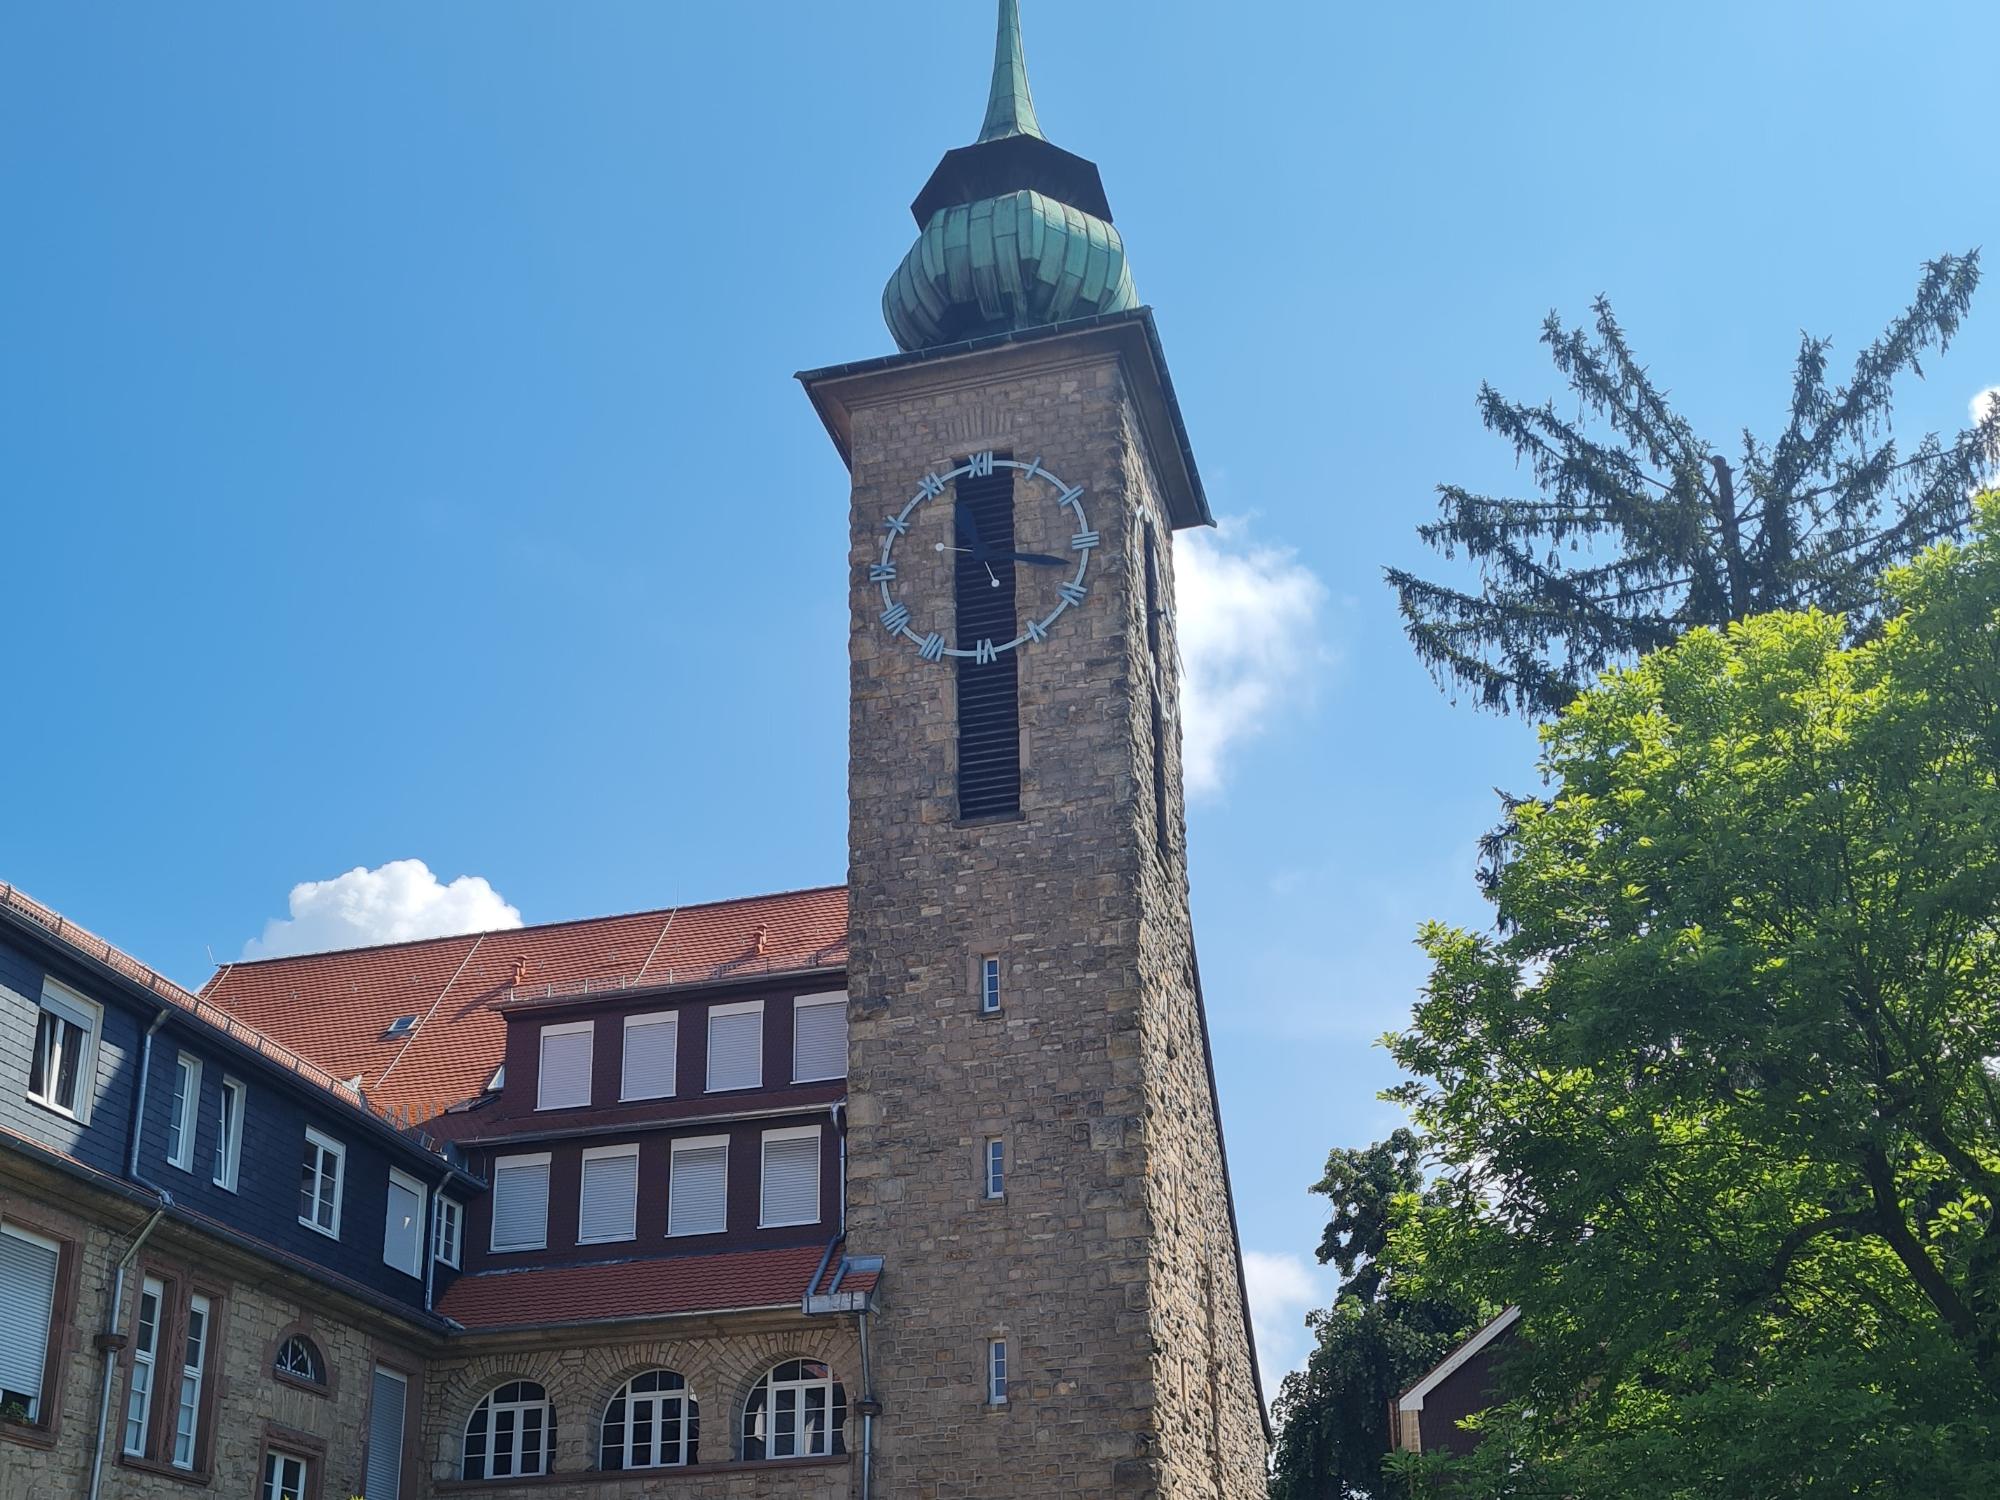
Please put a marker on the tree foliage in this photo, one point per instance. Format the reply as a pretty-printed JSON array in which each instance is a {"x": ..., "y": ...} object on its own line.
[
  {"x": 1719, "y": 1110},
  {"x": 1375, "y": 1340},
  {"x": 1642, "y": 529}
]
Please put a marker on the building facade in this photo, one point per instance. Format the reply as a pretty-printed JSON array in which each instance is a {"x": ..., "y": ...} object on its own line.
[{"x": 913, "y": 1186}]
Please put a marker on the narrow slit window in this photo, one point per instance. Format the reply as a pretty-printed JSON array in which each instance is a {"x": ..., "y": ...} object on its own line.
[
  {"x": 989, "y": 984},
  {"x": 996, "y": 1371},
  {"x": 183, "y": 1112},
  {"x": 996, "y": 1168}
]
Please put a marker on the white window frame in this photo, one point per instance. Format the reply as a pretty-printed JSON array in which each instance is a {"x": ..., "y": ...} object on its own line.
[
  {"x": 740, "y": 1008},
  {"x": 187, "y": 1401},
  {"x": 996, "y": 1372},
  {"x": 235, "y": 1103},
  {"x": 994, "y": 1161},
  {"x": 697, "y": 1143},
  {"x": 793, "y": 1392},
  {"x": 184, "y": 1111},
  {"x": 449, "y": 1212},
  {"x": 607, "y": 1153},
  {"x": 564, "y": 1028},
  {"x": 989, "y": 984},
  {"x": 38, "y": 1411},
  {"x": 87, "y": 1017},
  {"x": 327, "y": 1147},
  {"x": 651, "y": 1018},
  {"x": 800, "y": 1006},
  {"x": 787, "y": 1133},
  {"x": 526, "y": 1159},
  {"x": 146, "y": 1358},
  {"x": 271, "y": 1485},
  {"x": 659, "y": 1403},
  {"x": 515, "y": 1468},
  {"x": 401, "y": 1179}
]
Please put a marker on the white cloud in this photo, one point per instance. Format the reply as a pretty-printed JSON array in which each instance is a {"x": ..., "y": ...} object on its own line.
[
  {"x": 1283, "y": 1289},
  {"x": 1984, "y": 402},
  {"x": 1249, "y": 633},
  {"x": 399, "y": 901}
]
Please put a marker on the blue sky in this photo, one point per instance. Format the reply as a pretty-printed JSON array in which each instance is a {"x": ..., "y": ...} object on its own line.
[{"x": 400, "y": 458}]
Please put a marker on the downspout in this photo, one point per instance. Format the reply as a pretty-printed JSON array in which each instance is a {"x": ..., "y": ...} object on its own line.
[
  {"x": 110, "y": 1341},
  {"x": 838, "y": 1109},
  {"x": 868, "y": 1408}
]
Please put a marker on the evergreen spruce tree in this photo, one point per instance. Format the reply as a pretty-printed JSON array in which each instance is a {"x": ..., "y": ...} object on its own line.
[{"x": 1642, "y": 529}]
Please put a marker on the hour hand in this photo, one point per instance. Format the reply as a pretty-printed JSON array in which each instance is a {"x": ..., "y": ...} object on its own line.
[
  {"x": 1038, "y": 559},
  {"x": 968, "y": 532}
]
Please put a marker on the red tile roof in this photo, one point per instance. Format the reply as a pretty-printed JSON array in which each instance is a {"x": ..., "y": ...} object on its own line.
[
  {"x": 640, "y": 1288},
  {"x": 336, "y": 1008}
]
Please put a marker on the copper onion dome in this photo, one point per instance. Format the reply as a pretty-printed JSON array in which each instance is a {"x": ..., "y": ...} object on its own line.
[{"x": 1016, "y": 231}]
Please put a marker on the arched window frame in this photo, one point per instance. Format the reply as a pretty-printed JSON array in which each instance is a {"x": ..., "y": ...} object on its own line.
[
  {"x": 671, "y": 1432},
  {"x": 808, "y": 1393},
  {"x": 299, "y": 1361},
  {"x": 510, "y": 1412}
]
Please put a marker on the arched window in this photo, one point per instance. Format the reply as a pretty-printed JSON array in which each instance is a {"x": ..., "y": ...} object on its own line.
[
  {"x": 511, "y": 1432},
  {"x": 653, "y": 1422},
  {"x": 299, "y": 1359},
  {"x": 797, "y": 1411}
]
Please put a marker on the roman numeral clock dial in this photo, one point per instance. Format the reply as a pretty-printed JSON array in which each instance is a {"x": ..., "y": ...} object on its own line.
[{"x": 939, "y": 534}]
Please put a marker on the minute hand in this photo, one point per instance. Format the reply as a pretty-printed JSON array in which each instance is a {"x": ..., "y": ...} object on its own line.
[{"x": 1037, "y": 559}]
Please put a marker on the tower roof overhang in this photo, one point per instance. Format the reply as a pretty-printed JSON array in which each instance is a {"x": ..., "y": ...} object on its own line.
[
  {"x": 991, "y": 168},
  {"x": 838, "y": 391}
]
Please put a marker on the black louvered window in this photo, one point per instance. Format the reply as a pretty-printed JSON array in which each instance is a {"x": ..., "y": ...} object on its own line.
[{"x": 989, "y": 695}]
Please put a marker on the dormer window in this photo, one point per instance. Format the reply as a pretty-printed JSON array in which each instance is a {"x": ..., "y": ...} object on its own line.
[{"x": 402, "y": 1026}]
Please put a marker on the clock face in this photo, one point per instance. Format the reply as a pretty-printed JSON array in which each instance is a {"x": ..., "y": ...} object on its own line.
[{"x": 938, "y": 533}]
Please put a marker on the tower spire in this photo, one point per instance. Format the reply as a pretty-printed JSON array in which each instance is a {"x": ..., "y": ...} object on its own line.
[{"x": 1010, "y": 107}]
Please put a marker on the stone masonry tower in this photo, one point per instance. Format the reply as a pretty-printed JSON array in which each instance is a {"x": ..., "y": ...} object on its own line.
[{"x": 1033, "y": 1139}]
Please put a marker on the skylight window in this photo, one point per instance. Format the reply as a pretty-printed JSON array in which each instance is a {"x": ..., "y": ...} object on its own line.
[{"x": 400, "y": 1027}]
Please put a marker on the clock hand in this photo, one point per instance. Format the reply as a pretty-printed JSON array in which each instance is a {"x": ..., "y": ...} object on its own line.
[
  {"x": 1037, "y": 559},
  {"x": 968, "y": 532}
]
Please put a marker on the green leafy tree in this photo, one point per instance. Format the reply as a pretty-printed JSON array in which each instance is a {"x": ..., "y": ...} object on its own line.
[
  {"x": 1375, "y": 1340},
  {"x": 1719, "y": 1108},
  {"x": 1641, "y": 529}
]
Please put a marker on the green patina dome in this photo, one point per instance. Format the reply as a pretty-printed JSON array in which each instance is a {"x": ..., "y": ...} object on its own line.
[{"x": 1016, "y": 231}]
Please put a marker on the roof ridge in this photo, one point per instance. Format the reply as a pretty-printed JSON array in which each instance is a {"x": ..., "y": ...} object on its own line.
[{"x": 526, "y": 927}]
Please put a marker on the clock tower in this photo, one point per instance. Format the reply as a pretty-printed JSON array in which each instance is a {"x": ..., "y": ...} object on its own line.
[{"x": 1033, "y": 1140}]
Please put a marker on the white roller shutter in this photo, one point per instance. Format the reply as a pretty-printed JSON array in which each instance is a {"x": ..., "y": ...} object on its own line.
[
  {"x": 564, "y": 1079},
  {"x": 27, "y": 1302},
  {"x": 736, "y": 1046},
  {"x": 698, "y": 1195},
  {"x": 791, "y": 1177},
  {"x": 610, "y": 1206},
  {"x": 403, "y": 1230},
  {"x": 385, "y": 1436},
  {"x": 521, "y": 1202},
  {"x": 651, "y": 1046},
  {"x": 819, "y": 1038}
]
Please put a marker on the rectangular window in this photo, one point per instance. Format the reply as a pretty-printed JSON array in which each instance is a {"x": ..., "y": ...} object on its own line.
[
  {"x": 609, "y": 1209},
  {"x": 403, "y": 1225},
  {"x": 996, "y": 1168},
  {"x": 194, "y": 1364},
  {"x": 62, "y": 1071},
  {"x": 652, "y": 1046},
  {"x": 989, "y": 716},
  {"x": 819, "y": 1037},
  {"x": 145, "y": 1356},
  {"x": 450, "y": 1226},
  {"x": 989, "y": 984},
  {"x": 735, "y": 1046},
  {"x": 285, "y": 1477},
  {"x": 564, "y": 1079},
  {"x": 387, "y": 1406},
  {"x": 184, "y": 1111},
  {"x": 229, "y": 1134},
  {"x": 791, "y": 1177},
  {"x": 521, "y": 1202},
  {"x": 320, "y": 1180},
  {"x": 698, "y": 1186},
  {"x": 29, "y": 1266},
  {"x": 996, "y": 1371}
]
